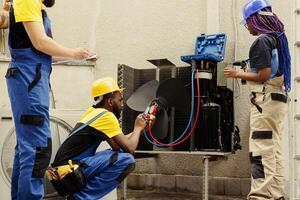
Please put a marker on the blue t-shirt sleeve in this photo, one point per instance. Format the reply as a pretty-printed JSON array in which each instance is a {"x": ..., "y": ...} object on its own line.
[{"x": 260, "y": 55}]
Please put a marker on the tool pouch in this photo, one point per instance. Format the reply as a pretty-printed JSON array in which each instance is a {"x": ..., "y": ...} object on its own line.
[{"x": 70, "y": 183}]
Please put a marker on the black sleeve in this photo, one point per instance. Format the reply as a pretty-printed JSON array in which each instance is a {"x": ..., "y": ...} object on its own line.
[{"x": 260, "y": 54}]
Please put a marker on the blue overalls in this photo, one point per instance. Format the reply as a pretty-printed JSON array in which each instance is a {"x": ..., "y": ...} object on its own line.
[
  {"x": 28, "y": 88},
  {"x": 104, "y": 171}
]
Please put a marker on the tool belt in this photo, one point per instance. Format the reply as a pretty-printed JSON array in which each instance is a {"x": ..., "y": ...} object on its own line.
[
  {"x": 66, "y": 179},
  {"x": 270, "y": 90}
]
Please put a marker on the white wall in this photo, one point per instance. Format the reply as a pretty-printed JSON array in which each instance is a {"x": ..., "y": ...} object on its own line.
[{"x": 131, "y": 31}]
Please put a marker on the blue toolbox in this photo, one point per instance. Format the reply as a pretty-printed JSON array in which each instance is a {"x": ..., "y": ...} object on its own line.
[{"x": 208, "y": 47}]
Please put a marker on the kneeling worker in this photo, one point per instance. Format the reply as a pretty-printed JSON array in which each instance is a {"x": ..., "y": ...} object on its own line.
[{"x": 99, "y": 172}]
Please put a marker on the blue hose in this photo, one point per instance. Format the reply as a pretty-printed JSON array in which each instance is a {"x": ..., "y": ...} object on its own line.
[{"x": 189, "y": 123}]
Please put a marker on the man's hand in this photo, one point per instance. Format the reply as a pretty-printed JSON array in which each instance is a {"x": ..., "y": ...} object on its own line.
[
  {"x": 129, "y": 143},
  {"x": 4, "y": 15},
  {"x": 229, "y": 72},
  {"x": 140, "y": 123},
  {"x": 82, "y": 53},
  {"x": 3, "y": 19},
  {"x": 6, "y": 5}
]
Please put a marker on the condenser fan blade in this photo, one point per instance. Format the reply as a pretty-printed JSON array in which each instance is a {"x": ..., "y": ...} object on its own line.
[
  {"x": 175, "y": 93},
  {"x": 160, "y": 127},
  {"x": 140, "y": 99}
]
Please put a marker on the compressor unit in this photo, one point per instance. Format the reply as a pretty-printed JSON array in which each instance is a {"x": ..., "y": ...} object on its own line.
[
  {"x": 215, "y": 125},
  {"x": 194, "y": 97}
]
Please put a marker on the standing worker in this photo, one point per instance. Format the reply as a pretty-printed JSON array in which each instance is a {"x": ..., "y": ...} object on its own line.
[
  {"x": 269, "y": 81},
  {"x": 101, "y": 172},
  {"x": 32, "y": 47}
]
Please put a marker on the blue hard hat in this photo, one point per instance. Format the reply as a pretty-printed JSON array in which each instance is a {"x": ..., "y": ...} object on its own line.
[{"x": 253, "y": 7}]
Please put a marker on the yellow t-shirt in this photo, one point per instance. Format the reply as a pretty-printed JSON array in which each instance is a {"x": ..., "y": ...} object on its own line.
[
  {"x": 28, "y": 10},
  {"x": 107, "y": 123}
]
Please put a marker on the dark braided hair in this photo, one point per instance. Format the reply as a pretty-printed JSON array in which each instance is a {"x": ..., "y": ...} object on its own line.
[{"x": 271, "y": 25}]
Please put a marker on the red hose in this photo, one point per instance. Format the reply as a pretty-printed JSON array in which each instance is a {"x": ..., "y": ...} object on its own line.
[{"x": 192, "y": 130}]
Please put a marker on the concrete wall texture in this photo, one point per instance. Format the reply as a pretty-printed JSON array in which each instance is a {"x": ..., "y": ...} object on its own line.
[{"x": 132, "y": 31}]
